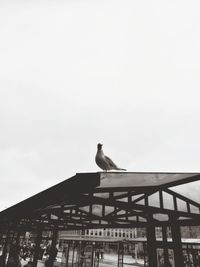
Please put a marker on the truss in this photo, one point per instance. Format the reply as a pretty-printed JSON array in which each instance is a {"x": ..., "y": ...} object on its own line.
[{"x": 96, "y": 200}]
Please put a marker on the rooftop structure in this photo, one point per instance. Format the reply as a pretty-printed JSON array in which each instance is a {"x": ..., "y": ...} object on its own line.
[{"x": 111, "y": 200}]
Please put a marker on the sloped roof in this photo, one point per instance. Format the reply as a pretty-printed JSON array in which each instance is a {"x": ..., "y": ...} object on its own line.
[{"x": 106, "y": 199}]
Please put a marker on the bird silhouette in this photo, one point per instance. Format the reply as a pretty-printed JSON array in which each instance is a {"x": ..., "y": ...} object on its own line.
[{"x": 104, "y": 162}]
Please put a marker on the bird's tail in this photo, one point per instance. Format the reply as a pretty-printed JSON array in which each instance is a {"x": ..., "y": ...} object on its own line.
[{"x": 121, "y": 169}]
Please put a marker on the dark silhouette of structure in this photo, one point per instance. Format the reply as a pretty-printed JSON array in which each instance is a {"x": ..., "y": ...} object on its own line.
[{"x": 109, "y": 200}]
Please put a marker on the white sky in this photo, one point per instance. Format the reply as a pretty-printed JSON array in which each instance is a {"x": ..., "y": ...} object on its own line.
[{"x": 75, "y": 73}]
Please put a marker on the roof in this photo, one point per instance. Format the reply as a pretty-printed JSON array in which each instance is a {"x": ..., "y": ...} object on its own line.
[
  {"x": 143, "y": 179},
  {"x": 106, "y": 199}
]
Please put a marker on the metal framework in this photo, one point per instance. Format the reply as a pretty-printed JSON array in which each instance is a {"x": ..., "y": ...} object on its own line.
[{"x": 110, "y": 200}]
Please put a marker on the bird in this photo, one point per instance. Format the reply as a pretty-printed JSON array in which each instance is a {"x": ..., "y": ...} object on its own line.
[{"x": 104, "y": 162}]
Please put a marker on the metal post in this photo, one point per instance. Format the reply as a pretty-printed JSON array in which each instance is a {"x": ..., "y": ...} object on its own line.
[
  {"x": 136, "y": 253},
  {"x": 5, "y": 248},
  {"x": 53, "y": 247},
  {"x": 165, "y": 246},
  {"x": 151, "y": 242},
  {"x": 176, "y": 237},
  {"x": 120, "y": 254},
  {"x": 37, "y": 247},
  {"x": 145, "y": 254},
  {"x": 73, "y": 247},
  {"x": 92, "y": 258},
  {"x": 67, "y": 253}
]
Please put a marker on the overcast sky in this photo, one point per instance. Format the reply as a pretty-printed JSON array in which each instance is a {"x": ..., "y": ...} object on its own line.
[{"x": 77, "y": 72}]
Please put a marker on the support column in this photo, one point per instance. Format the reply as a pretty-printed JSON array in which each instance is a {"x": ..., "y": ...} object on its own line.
[
  {"x": 73, "y": 247},
  {"x": 151, "y": 242},
  {"x": 120, "y": 254},
  {"x": 165, "y": 246},
  {"x": 92, "y": 258},
  {"x": 67, "y": 253},
  {"x": 145, "y": 254},
  {"x": 5, "y": 248},
  {"x": 177, "y": 244},
  {"x": 37, "y": 247},
  {"x": 53, "y": 247}
]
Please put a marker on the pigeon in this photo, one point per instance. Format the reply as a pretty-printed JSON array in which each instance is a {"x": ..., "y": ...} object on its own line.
[{"x": 104, "y": 162}]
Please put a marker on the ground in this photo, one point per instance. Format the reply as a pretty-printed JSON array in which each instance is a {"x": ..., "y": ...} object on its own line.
[{"x": 109, "y": 260}]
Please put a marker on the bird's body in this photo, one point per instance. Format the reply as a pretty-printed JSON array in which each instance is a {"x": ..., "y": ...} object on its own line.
[{"x": 104, "y": 162}]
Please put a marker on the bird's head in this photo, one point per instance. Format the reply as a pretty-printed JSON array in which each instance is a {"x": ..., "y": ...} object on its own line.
[{"x": 99, "y": 146}]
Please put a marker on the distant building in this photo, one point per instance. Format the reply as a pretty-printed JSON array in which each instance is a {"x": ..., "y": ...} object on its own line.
[
  {"x": 127, "y": 233},
  {"x": 111, "y": 233}
]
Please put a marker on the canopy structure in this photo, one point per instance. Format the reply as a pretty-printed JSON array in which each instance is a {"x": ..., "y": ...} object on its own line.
[
  {"x": 107, "y": 199},
  {"x": 110, "y": 200}
]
